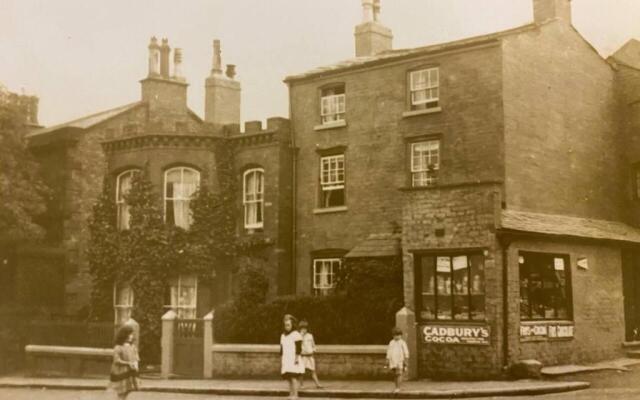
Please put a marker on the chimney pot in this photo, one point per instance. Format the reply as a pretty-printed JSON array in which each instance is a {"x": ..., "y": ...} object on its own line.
[
  {"x": 164, "y": 58},
  {"x": 231, "y": 71},
  {"x": 177, "y": 64},
  {"x": 367, "y": 11},
  {"x": 154, "y": 57},
  {"x": 217, "y": 58}
]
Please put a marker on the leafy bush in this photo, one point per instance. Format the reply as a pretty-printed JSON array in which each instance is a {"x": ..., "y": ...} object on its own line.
[{"x": 362, "y": 311}]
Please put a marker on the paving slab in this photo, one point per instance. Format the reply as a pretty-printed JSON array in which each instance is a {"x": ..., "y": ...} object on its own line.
[
  {"x": 423, "y": 389},
  {"x": 621, "y": 364}
]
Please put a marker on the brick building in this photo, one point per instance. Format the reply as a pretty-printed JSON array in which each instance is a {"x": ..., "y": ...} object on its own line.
[
  {"x": 503, "y": 169},
  {"x": 507, "y": 163}
]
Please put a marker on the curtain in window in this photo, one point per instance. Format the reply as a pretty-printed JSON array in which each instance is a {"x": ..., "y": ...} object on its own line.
[
  {"x": 253, "y": 198},
  {"x": 123, "y": 303},
  {"x": 181, "y": 184},
  {"x": 124, "y": 186}
]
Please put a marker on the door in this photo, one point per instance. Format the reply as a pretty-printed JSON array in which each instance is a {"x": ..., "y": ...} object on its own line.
[{"x": 631, "y": 288}]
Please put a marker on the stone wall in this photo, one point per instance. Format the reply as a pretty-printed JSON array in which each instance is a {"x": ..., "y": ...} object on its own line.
[{"x": 72, "y": 362}]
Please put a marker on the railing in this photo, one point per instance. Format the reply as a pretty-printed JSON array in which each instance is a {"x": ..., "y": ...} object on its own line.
[
  {"x": 71, "y": 333},
  {"x": 189, "y": 328}
]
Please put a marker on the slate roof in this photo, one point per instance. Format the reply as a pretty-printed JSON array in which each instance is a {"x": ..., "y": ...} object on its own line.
[
  {"x": 377, "y": 245},
  {"x": 89, "y": 120},
  {"x": 400, "y": 53},
  {"x": 560, "y": 225}
]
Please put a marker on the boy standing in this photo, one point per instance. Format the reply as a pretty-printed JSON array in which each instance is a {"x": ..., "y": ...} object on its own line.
[{"x": 397, "y": 357}]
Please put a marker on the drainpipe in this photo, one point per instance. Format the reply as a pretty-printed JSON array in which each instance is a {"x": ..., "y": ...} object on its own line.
[
  {"x": 504, "y": 244},
  {"x": 294, "y": 231}
]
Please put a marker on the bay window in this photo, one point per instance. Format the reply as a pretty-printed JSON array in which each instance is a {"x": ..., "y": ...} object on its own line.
[
  {"x": 123, "y": 185},
  {"x": 180, "y": 185},
  {"x": 545, "y": 286},
  {"x": 253, "y": 198},
  {"x": 450, "y": 287},
  {"x": 332, "y": 181}
]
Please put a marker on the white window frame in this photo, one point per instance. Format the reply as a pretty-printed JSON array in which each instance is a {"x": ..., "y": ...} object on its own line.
[
  {"x": 332, "y": 178},
  {"x": 318, "y": 287},
  {"x": 181, "y": 310},
  {"x": 253, "y": 201},
  {"x": 121, "y": 204},
  {"x": 430, "y": 87},
  {"x": 332, "y": 106},
  {"x": 424, "y": 173},
  {"x": 122, "y": 308},
  {"x": 182, "y": 170}
]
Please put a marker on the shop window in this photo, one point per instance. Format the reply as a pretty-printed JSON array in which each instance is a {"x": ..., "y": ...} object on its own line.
[
  {"x": 545, "y": 286},
  {"x": 122, "y": 303},
  {"x": 332, "y": 104},
  {"x": 424, "y": 89},
  {"x": 123, "y": 185},
  {"x": 451, "y": 287},
  {"x": 253, "y": 198},
  {"x": 180, "y": 185},
  {"x": 325, "y": 271},
  {"x": 332, "y": 181},
  {"x": 425, "y": 163},
  {"x": 182, "y": 296}
]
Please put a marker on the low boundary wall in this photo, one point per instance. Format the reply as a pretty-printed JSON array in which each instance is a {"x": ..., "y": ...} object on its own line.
[{"x": 63, "y": 361}]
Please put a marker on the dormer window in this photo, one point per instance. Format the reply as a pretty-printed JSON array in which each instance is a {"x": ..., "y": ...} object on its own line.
[
  {"x": 332, "y": 105},
  {"x": 424, "y": 89}
]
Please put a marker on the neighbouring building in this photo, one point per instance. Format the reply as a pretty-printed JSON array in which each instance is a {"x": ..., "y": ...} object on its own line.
[{"x": 504, "y": 169}]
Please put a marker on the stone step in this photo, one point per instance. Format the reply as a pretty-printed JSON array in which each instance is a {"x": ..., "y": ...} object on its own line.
[
  {"x": 633, "y": 354},
  {"x": 632, "y": 345}
]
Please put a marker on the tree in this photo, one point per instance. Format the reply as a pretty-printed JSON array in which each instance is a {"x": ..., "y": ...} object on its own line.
[{"x": 23, "y": 191}]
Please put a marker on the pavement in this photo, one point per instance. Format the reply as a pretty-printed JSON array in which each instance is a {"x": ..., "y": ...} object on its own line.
[
  {"x": 621, "y": 364},
  {"x": 423, "y": 389}
]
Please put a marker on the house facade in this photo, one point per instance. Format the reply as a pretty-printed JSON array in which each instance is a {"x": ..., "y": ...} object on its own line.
[{"x": 502, "y": 169}]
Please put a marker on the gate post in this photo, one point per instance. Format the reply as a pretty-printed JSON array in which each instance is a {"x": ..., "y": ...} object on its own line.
[
  {"x": 207, "y": 346},
  {"x": 406, "y": 320},
  {"x": 167, "y": 343}
]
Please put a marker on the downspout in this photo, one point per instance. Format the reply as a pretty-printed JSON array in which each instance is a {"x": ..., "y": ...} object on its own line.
[
  {"x": 294, "y": 161},
  {"x": 504, "y": 244}
]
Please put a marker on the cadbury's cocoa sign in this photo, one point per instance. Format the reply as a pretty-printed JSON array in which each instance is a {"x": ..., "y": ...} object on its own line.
[{"x": 456, "y": 334}]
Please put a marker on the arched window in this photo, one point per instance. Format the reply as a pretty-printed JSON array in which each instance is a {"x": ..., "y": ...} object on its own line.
[
  {"x": 253, "y": 198},
  {"x": 180, "y": 184},
  {"x": 123, "y": 185}
]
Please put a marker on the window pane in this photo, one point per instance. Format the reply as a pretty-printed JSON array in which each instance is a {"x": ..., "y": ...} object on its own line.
[
  {"x": 544, "y": 286},
  {"x": 428, "y": 288},
  {"x": 477, "y": 287},
  {"x": 443, "y": 268},
  {"x": 460, "y": 287}
]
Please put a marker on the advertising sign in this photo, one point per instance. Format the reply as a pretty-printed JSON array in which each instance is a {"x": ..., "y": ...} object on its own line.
[
  {"x": 542, "y": 332},
  {"x": 456, "y": 334}
]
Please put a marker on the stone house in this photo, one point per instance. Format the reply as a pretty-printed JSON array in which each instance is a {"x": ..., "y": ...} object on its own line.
[{"x": 502, "y": 168}]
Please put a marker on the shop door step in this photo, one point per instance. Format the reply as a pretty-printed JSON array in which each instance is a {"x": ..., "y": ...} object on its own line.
[{"x": 633, "y": 354}]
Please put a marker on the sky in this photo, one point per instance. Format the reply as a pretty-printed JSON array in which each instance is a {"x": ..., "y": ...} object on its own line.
[{"x": 86, "y": 56}]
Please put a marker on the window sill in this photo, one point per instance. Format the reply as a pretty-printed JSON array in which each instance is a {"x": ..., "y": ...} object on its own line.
[
  {"x": 330, "y": 210},
  {"x": 415, "y": 113},
  {"x": 332, "y": 125}
]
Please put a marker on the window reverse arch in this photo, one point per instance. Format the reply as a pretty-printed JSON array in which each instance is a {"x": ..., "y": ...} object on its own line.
[
  {"x": 123, "y": 186},
  {"x": 253, "y": 198},
  {"x": 180, "y": 184}
]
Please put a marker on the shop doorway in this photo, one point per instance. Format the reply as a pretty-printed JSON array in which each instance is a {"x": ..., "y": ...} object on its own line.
[{"x": 631, "y": 288}]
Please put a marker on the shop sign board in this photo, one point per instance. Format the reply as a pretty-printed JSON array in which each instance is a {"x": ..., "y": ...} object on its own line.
[
  {"x": 535, "y": 332},
  {"x": 456, "y": 334}
]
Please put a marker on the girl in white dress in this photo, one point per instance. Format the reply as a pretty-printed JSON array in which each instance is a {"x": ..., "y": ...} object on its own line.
[{"x": 290, "y": 348}]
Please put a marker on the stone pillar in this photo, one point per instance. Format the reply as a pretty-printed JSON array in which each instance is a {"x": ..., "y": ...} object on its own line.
[
  {"x": 167, "y": 343},
  {"x": 406, "y": 320},
  {"x": 208, "y": 343}
]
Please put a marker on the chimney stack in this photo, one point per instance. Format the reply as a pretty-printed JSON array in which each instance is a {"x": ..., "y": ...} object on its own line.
[
  {"x": 177, "y": 64},
  {"x": 547, "y": 10},
  {"x": 371, "y": 36},
  {"x": 164, "y": 58},
  {"x": 222, "y": 92},
  {"x": 154, "y": 58}
]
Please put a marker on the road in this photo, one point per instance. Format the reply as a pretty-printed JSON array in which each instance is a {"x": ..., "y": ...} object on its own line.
[{"x": 605, "y": 386}]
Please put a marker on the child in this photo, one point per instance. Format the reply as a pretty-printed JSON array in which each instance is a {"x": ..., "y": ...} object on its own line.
[
  {"x": 124, "y": 369},
  {"x": 397, "y": 357},
  {"x": 308, "y": 349},
  {"x": 290, "y": 348}
]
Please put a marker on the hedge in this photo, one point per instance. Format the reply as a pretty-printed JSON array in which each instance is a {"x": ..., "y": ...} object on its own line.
[{"x": 362, "y": 311}]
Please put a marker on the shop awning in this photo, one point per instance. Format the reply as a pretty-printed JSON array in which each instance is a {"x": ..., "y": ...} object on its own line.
[
  {"x": 560, "y": 225},
  {"x": 377, "y": 245}
]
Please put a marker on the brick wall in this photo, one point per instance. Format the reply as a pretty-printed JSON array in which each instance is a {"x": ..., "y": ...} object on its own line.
[
  {"x": 561, "y": 131},
  {"x": 597, "y": 304},
  {"x": 376, "y": 139},
  {"x": 468, "y": 216}
]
